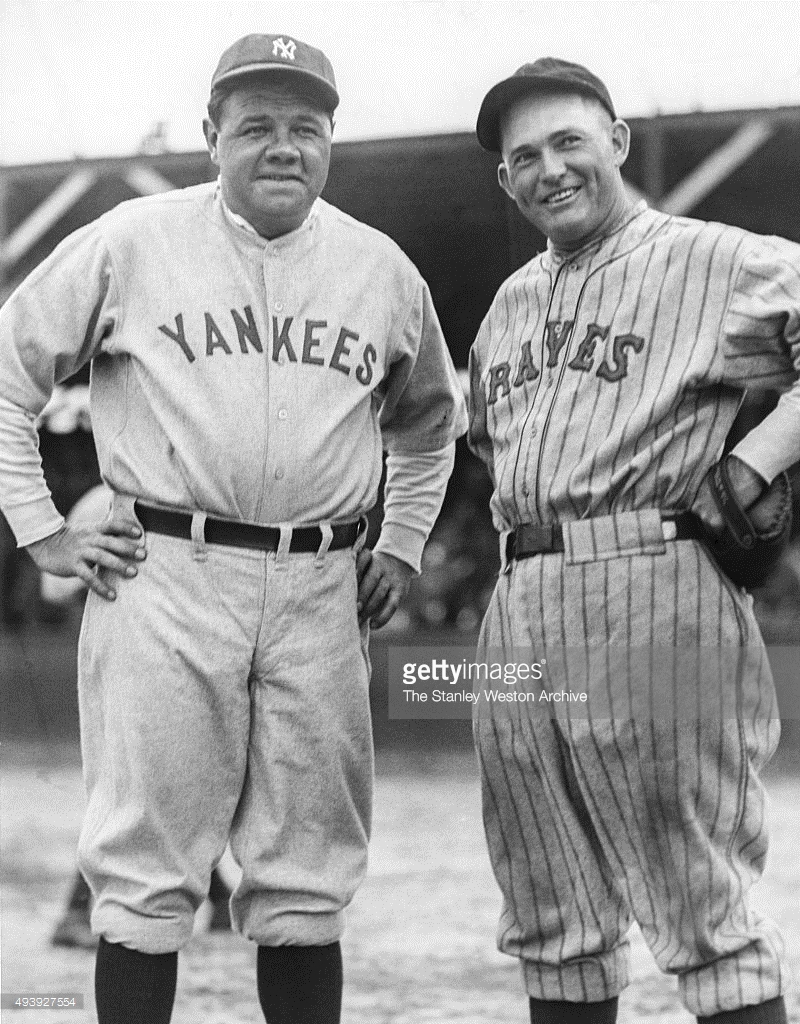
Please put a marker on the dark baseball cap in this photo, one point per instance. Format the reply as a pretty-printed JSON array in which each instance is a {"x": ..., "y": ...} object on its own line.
[
  {"x": 280, "y": 55},
  {"x": 548, "y": 74}
]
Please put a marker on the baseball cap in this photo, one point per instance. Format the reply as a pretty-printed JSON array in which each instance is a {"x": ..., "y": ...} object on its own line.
[
  {"x": 548, "y": 74},
  {"x": 284, "y": 55}
]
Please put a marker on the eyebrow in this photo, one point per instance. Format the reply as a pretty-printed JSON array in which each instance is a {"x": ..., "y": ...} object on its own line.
[
  {"x": 258, "y": 118},
  {"x": 552, "y": 137}
]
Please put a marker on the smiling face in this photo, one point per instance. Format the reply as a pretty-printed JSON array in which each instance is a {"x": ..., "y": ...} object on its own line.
[
  {"x": 561, "y": 159},
  {"x": 273, "y": 148}
]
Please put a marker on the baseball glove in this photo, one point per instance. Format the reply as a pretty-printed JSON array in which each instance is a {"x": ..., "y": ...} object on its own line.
[{"x": 752, "y": 540}]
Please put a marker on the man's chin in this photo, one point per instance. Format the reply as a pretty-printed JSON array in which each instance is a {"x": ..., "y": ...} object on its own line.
[
  {"x": 566, "y": 232},
  {"x": 282, "y": 204},
  {"x": 279, "y": 219},
  {"x": 561, "y": 227}
]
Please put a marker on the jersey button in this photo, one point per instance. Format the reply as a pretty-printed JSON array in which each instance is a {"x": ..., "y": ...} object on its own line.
[
  {"x": 278, "y": 307},
  {"x": 279, "y": 473},
  {"x": 282, "y": 414}
]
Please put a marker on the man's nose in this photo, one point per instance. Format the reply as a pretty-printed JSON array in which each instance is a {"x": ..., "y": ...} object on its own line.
[
  {"x": 281, "y": 147},
  {"x": 552, "y": 165}
]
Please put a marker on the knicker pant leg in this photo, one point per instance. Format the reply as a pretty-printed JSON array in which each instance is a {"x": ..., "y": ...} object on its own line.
[
  {"x": 674, "y": 795},
  {"x": 302, "y": 826},
  {"x": 164, "y": 724},
  {"x": 564, "y": 914}
]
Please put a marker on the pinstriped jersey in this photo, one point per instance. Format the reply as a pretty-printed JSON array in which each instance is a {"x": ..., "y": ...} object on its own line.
[{"x": 607, "y": 380}]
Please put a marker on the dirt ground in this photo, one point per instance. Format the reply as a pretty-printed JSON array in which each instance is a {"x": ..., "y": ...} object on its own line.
[{"x": 420, "y": 940}]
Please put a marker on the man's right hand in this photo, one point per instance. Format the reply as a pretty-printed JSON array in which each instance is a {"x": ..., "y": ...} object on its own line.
[{"x": 83, "y": 550}]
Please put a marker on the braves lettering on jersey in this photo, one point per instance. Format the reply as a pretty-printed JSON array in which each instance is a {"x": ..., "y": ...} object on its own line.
[
  {"x": 608, "y": 381},
  {"x": 603, "y": 386}
]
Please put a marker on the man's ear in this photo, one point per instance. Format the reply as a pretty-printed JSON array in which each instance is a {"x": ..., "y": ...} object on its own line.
[
  {"x": 620, "y": 141},
  {"x": 212, "y": 135},
  {"x": 502, "y": 177}
]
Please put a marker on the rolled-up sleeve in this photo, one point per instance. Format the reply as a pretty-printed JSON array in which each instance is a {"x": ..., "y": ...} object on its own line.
[{"x": 761, "y": 349}]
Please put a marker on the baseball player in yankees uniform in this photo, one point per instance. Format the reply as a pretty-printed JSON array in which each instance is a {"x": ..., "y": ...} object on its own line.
[
  {"x": 604, "y": 380},
  {"x": 253, "y": 349}
]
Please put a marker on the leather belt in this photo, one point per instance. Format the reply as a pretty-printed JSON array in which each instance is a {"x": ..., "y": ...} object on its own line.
[
  {"x": 529, "y": 539},
  {"x": 245, "y": 535}
]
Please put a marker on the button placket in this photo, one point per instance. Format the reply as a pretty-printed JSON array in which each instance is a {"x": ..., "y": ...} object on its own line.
[{"x": 276, "y": 410}]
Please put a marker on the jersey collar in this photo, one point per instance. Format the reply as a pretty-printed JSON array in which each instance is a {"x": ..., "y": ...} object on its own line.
[
  {"x": 554, "y": 258},
  {"x": 301, "y": 233}
]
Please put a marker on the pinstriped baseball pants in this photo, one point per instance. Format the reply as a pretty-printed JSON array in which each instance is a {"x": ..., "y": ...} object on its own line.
[{"x": 592, "y": 822}]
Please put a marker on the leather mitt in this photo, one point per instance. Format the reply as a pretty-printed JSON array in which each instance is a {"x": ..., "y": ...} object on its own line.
[{"x": 752, "y": 539}]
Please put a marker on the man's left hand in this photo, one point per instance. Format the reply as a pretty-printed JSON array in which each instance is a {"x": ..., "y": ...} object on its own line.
[
  {"x": 383, "y": 582},
  {"x": 746, "y": 483}
]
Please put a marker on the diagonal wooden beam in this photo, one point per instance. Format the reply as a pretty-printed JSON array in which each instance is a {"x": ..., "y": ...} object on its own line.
[
  {"x": 146, "y": 181},
  {"x": 39, "y": 222},
  {"x": 711, "y": 172}
]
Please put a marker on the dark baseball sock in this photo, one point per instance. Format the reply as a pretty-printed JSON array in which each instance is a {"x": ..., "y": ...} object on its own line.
[
  {"x": 132, "y": 987},
  {"x": 300, "y": 984},
  {"x": 771, "y": 1012},
  {"x": 554, "y": 1012}
]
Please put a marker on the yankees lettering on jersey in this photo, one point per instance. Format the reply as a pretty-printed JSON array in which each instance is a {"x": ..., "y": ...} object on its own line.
[
  {"x": 608, "y": 382},
  {"x": 232, "y": 373},
  {"x": 556, "y": 336},
  {"x": 307, "y": 341}
]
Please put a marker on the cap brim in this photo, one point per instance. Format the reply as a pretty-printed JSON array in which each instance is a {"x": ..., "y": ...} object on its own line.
[
  {"x": 501, "y": 96},
  {"x": 316, "y": 85}
]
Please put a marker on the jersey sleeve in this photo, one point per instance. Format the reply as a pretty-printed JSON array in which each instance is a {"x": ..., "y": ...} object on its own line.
[
  {"x": 423, "y": 406},
  {"x": 421, "y": 415},
  {"x": 761, "y": 349},
  {"x": 50, "y": 326},
  {"x": 415, "y": 489}
]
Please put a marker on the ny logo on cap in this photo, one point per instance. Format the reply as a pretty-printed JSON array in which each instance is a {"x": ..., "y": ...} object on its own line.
[{"x": 280, "y": 48}]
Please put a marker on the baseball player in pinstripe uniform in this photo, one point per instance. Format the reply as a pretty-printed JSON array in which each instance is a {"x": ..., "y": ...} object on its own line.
[
  {"x": 253, "y": 350},
  {"x": 604, "y": 380}
]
